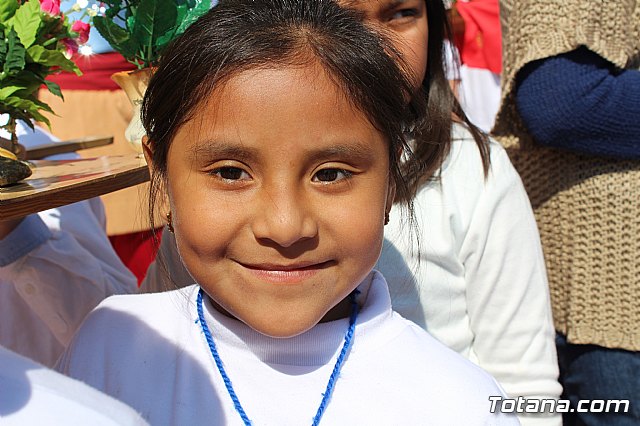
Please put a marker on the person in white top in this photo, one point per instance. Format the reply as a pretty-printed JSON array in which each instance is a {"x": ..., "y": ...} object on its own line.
[
  {"x": 474, "y": 277},
  {"x": 279, "y": 154},
  {"x": 55, "y": 266},
  {"x": 33, "y": 394}
]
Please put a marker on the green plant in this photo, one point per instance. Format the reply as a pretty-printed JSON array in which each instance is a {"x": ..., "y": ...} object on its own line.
[
  {"x": 36, "y": 40},
  {"x": 141, "y": 29}
]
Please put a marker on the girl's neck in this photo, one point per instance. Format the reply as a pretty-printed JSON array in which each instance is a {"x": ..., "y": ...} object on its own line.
[{"x": 340, "y": 311}]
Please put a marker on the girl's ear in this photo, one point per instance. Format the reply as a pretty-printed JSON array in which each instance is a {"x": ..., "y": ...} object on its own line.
[
  {"x": 147, "y": 150},
  {"x": 391, "y": 196}
]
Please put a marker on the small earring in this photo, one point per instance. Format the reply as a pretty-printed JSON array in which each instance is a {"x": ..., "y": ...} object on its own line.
[
  {"x": 169, "y": 224},
  {"x": 386, "y": 218}
]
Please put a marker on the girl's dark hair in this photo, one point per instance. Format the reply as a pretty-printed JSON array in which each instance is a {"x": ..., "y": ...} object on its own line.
[
  {"x": 434, "y": 141},
  {"x": 239, "y": 35}
]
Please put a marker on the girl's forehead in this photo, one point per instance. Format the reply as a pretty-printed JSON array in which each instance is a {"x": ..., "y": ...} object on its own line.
[
  {"x": 255, "y": 94},
  {"x": 310, "y": 73}
]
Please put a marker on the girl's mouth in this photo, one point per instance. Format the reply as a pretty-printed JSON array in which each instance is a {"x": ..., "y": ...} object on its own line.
[{"x": 286, "y": 273}]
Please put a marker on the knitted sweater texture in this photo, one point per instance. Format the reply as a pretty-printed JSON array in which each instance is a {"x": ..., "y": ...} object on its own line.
[{"x": 587, "y": 207}]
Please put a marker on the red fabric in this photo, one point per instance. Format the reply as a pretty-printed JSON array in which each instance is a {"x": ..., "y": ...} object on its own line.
[
  {"x": 96, "y": 72},
  {"x": 137, "y": 250},
  {"x": 482, "y": 43}
]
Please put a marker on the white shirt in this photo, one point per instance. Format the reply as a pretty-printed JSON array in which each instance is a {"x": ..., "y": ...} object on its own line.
[
  {"x": 481, "y": 286},
  {"x": 149, "y": 351},
  {"x": 32, "y": 394}
]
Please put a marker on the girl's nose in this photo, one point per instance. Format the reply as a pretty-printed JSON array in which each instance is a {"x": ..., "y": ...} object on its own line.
[{"x": 284, "y": 217}]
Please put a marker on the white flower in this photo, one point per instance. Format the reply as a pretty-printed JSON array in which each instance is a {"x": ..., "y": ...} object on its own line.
[{"x": 82, "y": 3}]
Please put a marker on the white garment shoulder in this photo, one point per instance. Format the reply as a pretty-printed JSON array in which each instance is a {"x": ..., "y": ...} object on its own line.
[{"x": 33, "y": 394}]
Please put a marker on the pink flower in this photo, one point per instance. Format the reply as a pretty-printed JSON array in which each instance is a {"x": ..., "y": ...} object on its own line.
[
  {"x": 71, "y": 47},
  {"x": 52, "y": 7},
  {"x": 82, "y": 28}
]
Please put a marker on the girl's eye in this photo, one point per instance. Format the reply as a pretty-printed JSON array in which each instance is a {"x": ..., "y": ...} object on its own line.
[
  {"x": 331, "y": 175},
  {"x": 402, "y": 14},
  {"x": 230, "y": 173}
]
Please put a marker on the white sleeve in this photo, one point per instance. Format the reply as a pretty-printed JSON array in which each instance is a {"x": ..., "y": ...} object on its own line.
[
  {"x": 65, "y": 270},
  {"x": 507, "y": 291}
]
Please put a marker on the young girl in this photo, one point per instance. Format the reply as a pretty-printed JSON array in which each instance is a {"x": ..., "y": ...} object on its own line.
[
  {"x": 478, "y": 281},
  {"x": 275, "y": 128}
]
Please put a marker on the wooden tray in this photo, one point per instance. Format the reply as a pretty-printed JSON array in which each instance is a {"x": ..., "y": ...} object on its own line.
[
  {"x": 55, "y": 183},
  {"x": 70, "y": 145}
]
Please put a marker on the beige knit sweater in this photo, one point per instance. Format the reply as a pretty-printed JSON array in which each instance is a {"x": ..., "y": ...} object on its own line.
[{"x": 588, "y": 208}]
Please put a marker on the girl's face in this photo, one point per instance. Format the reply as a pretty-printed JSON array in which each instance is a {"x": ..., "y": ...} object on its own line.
[
  {"x": 278, "y": 190},
  {"x": 407, "y": 20}
]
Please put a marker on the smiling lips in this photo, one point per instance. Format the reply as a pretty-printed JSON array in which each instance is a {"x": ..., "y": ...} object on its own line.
[{"x": 285, "y": 274}]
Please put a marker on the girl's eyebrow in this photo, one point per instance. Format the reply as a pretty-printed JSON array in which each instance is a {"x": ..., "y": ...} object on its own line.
[
  {"x": 358, "y": 151},
  {"x": 354, "y": 151},
  {"x": 389, "y": 4},
  {"x": 221, "y": 149}
]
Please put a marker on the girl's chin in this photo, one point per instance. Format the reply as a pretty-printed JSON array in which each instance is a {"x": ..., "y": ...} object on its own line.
[{"x": 283, "y": 331}]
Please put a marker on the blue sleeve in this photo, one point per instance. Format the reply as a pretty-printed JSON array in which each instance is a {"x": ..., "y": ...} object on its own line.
[
  {"x": 580, "y": 102},
  {"x": 30, "y": 234}
]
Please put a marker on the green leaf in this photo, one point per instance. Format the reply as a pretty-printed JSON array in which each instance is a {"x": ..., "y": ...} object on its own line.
[
  {"x": 30, "y": 105},
  {"x": 51, "y": 58},
  {"x": 131, "y": 22},
  {"x": 41, "y": 105},
  {"x": 54, "y": 88},
  {"x": 29, "y": 78},
  {"x": 27, "y": 82},
  {"x": 181, "y": 10},
  {"x": 201, "y": 7},
  {"x": 15, "y": 61},
  {"x": 164, "y": 40},
  {"x": 153, "y": 19},
  {"x": 7, "y": 9},
  {"x": 114, "y": 3},
  {"x": 113, "y": 33},
  {"x": 5, "y": 92},
  {"x": 111, "y": 12},
  {"x": 21, "y": 104},
  {"x": 41, "y": 118},
  {"x": 26, "y": 21},
  {"x": 116, "y": 36},
  {"x": 3, "y": 48}
]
